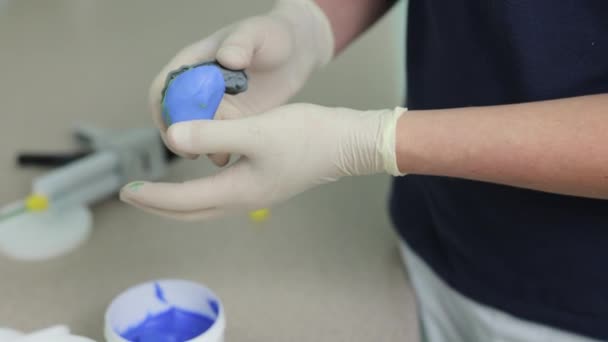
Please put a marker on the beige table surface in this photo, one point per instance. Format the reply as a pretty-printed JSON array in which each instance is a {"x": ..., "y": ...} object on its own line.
[{"x": 321, "y": 269}]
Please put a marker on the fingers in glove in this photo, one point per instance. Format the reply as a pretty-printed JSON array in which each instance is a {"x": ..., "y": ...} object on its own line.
[
  {"x": 217, "y": 191},
  {"x": 190, "y": 156},
  {"x": 196, "y": 215},
  {"x": 245, "y": 46},
  {"x": 219, "y": 159},
  {"x": 215, "y": 136},
  {"x": 226, "y": 111}
]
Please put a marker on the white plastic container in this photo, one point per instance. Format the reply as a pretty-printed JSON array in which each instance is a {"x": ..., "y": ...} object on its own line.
[
  {"x": 59, "y": 333},
  {"x": 134, "y": 305}
]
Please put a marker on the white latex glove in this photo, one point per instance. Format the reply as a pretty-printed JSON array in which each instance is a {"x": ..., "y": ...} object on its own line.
[
  {"x": 278, "y": 51},
  {"x": 283, "y": 152}
]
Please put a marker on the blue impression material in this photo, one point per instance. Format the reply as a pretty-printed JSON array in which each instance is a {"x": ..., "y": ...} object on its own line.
[
  {"x": 173, "y": 325},
  {"x": 193, "y": 94},
  {"x": 160, "y": 294}
]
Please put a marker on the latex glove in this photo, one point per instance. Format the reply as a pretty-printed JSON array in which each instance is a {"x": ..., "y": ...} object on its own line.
[
  {"x": 283, "y": 153},
  {"x": 279, "y": 50}
]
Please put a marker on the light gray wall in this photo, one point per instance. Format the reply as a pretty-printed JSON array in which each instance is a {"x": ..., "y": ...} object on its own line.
[{"x": 370, "y": 72}]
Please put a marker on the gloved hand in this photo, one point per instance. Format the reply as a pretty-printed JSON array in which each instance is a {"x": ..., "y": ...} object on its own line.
[
  {"x": 283, "y": 152},
  {"x": 278, "y": 51}
]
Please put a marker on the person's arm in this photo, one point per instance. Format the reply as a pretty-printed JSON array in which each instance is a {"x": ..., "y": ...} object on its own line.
[
  {"x": 350, "y": 18},
  {"x": 558, "y": 146}
]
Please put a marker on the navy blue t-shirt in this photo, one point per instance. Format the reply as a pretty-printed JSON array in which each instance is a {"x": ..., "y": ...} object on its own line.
[{"x": 539, "y": 256}]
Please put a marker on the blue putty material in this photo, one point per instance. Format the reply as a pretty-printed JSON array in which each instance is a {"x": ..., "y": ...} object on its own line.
[
  {"x": 160, "y": 294},
  {"x": 215, "y": 306},
  {"x": 172, "y": 325},
  {"x": 194, "y": 94}
]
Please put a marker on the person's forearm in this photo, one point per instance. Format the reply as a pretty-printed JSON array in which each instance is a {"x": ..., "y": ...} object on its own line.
[
  {"x": 558, "y": 146},
  {"x": 349, "y": 18}
]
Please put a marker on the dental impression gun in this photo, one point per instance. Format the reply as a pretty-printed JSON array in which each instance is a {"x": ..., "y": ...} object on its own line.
[{"x": 56, "y": 217}]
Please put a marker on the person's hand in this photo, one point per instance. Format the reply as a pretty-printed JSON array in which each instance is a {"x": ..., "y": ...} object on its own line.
[
  {"x": 278, "y": 52},
  {"x": 283, "y": 152}
]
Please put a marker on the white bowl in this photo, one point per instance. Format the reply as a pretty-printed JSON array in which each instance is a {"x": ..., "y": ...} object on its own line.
[{"x": 133, "y": 306}]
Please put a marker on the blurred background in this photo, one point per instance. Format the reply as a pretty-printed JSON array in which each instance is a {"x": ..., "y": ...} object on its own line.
[{"x": 324, "y": 263}]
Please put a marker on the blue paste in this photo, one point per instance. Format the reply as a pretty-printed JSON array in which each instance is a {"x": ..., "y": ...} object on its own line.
[
  {"x": 160, "y": 294},
  {"x": 194, "y": 94},
  {"x": 173, "y": 325},
  {"x": 215, "y": 306}
]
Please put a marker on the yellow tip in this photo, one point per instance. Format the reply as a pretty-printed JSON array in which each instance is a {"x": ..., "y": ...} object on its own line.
[
  {"x": 37, "y": 203},
  {"x": 259, "y": 215}
]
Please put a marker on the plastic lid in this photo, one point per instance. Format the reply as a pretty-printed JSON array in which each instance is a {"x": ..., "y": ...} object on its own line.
[
  {"x": 34, "y": 236},
  {"x": 59, "y": 333}
]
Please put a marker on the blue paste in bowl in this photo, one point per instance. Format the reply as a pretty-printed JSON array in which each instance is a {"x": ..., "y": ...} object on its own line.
[
  {"x": 165, "y": 311},
  {"x": 173, "y": 325}
]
